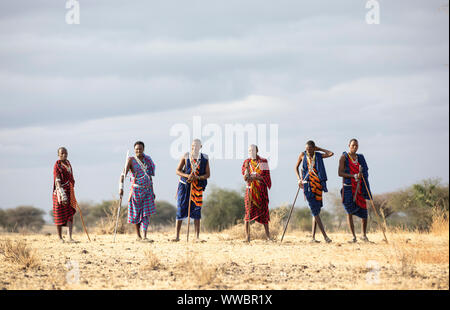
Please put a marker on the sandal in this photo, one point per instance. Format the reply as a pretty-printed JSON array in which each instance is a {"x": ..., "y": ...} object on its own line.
[{"x": 365, "y": 239}]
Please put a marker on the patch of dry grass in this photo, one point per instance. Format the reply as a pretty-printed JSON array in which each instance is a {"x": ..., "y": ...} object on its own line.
[
  {"x": 440, "y": 224},
  {"x": 19, "y": 253},
  {"x": 106, "y": 226},
  {"x": 151, "y": 261},
  {"x": 203, "y": 273},
  {"x": 411, "y": 260}
]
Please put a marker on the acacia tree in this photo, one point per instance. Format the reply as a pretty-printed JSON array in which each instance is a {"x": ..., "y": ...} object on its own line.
[
  {"x": 23, "y": 217},
  {"x": 419, "y": 201}
]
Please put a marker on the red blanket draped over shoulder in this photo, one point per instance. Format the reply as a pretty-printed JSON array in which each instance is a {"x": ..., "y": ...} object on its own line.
[
  {"x": 256, "y": 194},
  {"x": 354, "y": 169},
  {"x": 63, "y": 212}
]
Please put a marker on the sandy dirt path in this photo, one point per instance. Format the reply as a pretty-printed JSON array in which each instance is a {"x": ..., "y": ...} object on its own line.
[{"x": 410, "y": 261}]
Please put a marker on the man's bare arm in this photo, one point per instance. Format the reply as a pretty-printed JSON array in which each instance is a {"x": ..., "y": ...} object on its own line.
[
  {"x": 299, "y": 162},
  {"x": 128, "y": 167},
  {"x": 207, "y": 173},
  {"x": 180, "y": 167},
  {"x": 326, "y": 152},
  {"x": 341, "y": 169}
]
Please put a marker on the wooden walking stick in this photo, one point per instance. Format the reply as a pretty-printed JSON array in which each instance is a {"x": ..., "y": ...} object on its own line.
[
  {"x": 290, "y": 213},
  {"x": 82, "y": 221},
  {"x": 117, "y": 219},
  {"x": 194, "y": 168},
  {"x": 373, "y": 206},
  {"x": 74, "y": 202},
  {"x": 190, "y": 199},
  {"x": 120, "y": 199},
  {"x": 189, "y": 212}
]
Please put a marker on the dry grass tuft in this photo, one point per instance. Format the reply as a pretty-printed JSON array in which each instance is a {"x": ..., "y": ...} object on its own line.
[
  {"x": 19, "y": 253},
  {"x": 203, "y": 273},
  {"x": 152, "y": 261},
  {"x": 440, "y": 224},
  {"x": 105, "y": 226},
  {"x": 411, "y": 255}
]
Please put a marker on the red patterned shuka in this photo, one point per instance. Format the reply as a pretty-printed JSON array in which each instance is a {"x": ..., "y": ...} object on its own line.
[
  {"x": 256, "y": 194},
  {"x": 354, "y": 169},
  {"x": 63, "y": 212}
]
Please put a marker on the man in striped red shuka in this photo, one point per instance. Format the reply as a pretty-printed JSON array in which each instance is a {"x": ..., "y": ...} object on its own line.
[
  {"x": 64, "y": 202},
  {"x": 257, "y": 176}
]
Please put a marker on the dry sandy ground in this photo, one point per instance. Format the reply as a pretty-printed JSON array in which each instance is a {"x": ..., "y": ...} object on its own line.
[{"x": 409, "y": 261}]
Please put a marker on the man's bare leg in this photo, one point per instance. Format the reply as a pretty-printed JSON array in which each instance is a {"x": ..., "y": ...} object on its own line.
[
  {"x": 178, "y": 229},
  {"x": 322, "y": 229},
  {"x": 197, "y": 228},
  {"x": 266, "y": 228},
  {"x": 138, "y": 231},
  {"x": 144, "y": 232},
  {"x": 314, "y": 227},
  {"x": 59, "y": 230},
  {"x": 352, "y": 226},
  {"x": 69, "y": 230},
  {"x": 364, "y": 230},
  {"x": 247, "y": 231}
]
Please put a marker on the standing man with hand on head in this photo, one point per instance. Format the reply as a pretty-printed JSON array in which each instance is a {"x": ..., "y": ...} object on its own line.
[
  {"x": 141, "y": 202},
  {"x": 353, "y": 168},
  {"x": 193, "y": 170},
  {"x": 313, "y": 180},
  {"x": 257, "y": 176}
]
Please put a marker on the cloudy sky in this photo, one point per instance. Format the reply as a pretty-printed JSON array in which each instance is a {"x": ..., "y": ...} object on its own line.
[{"x": 132, "y": 70}]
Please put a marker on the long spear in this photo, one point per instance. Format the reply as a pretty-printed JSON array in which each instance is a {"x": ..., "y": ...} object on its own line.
[
  {"x": 189, "y": 212},
  {"x": 120, "y": 198},
  {"x": 290, "y": 213},
  {"x": 373, "y": 206}
]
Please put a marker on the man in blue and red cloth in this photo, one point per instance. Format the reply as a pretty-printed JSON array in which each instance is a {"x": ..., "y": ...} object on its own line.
[
  {"x": 313, "y": 181},
  {"x": 193, "y": 170},
  {"x": 256, "y": 174},
  {"x": 355, "y": 177}
]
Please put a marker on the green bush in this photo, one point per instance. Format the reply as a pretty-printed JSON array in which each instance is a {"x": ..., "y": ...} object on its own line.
[
  {"x": 223, "y": 209},
  {"x": 165, "y": 213}
]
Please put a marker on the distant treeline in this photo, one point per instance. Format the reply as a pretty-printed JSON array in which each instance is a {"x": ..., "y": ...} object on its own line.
[{"x": 411, "y": 208}]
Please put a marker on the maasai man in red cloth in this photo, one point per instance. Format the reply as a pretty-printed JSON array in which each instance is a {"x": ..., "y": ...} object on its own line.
[
  {"x": 64, "y": 202},
  {"x": 313, "y": 181},
  {"x": 257, "y": 176},
  {"x": 353, "y": 168}
]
